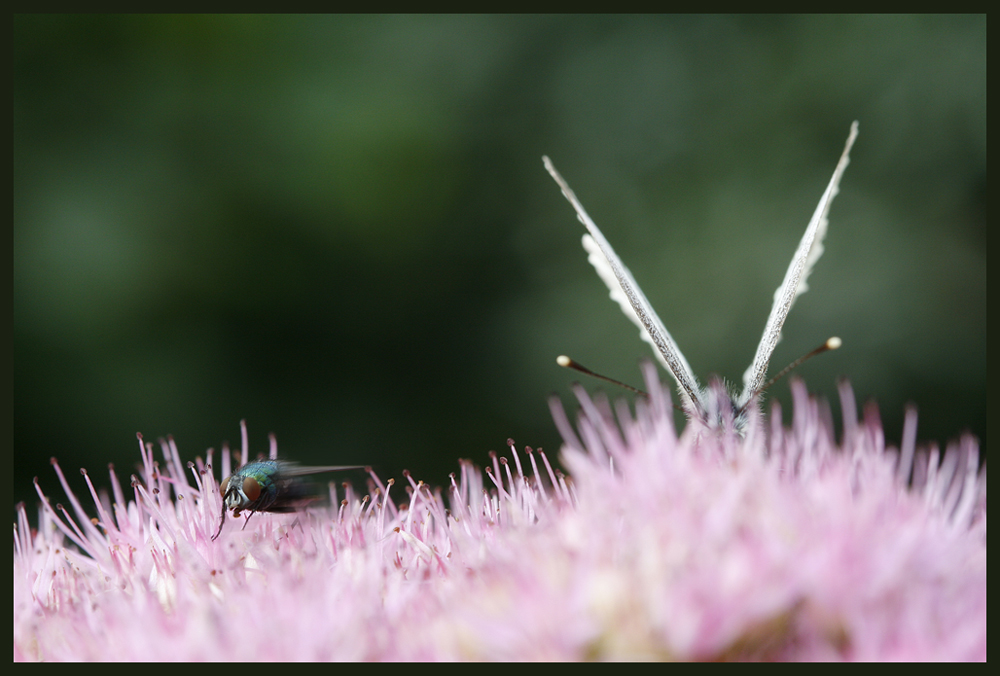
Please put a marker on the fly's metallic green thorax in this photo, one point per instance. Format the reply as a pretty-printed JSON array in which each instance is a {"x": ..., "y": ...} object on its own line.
[{"x": 269, "y": 486}]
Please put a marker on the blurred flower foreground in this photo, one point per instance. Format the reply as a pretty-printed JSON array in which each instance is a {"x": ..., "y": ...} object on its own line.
[{"x": 781, "y": 545}]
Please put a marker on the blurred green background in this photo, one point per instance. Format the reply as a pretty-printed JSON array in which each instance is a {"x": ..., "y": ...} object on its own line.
[{"x": 339, "y": 228}]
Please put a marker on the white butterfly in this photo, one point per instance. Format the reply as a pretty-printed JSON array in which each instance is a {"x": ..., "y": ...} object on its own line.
[{"x": 624, "y": 290}]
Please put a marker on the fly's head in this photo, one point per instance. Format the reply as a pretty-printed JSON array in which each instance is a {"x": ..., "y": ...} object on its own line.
[
  {"x": 239, "y": 493},
  {"x": 250, "y": 488}
]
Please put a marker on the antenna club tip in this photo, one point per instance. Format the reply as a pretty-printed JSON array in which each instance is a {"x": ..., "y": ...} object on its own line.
[
  {"x": 833, "y": 343},
  {"x": 564, "y": 361}
]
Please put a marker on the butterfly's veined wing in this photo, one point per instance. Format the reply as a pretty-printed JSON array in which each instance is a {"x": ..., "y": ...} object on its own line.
[
  {"x": 808, "y": 252},
  {"x": 631, "y": 299}
]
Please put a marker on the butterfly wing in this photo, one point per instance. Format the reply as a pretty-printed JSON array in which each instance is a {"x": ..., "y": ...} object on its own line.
[
  {"x": 631, "y": 299},
  {"x": 809, "y": 250}
]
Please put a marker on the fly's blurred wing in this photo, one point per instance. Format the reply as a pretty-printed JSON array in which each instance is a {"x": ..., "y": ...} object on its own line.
[
  {"x": 294, "y": 490},
  {"x": 626, "y": 292},
  {"x": 809, "y": 251},
  {"x": 291, "y": 469}
]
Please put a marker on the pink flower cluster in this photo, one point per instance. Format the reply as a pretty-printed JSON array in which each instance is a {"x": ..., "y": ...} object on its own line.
[{"x": 704, "y": 546}]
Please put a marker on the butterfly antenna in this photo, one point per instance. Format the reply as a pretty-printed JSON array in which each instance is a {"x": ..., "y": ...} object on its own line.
[
  {"x": 568, "y": 363},
  {"x": 830, "y": 344}
]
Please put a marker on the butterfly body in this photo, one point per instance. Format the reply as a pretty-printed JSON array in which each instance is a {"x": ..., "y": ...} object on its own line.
[
  {"x": 268, "y": 486},
  {"x": 700, "y": 403}
]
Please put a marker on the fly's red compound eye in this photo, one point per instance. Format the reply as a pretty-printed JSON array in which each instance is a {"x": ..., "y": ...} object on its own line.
[
  {"x": 224, "y": 486},
  {"x": 251, "y": 488}
]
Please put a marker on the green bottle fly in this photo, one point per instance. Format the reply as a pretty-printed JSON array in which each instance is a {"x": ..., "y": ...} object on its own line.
[{"x": 269, "y": 486}]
